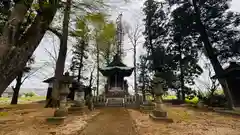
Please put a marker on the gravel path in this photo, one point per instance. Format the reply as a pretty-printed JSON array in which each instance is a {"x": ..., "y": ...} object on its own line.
[{"x": 111, "y": 121}]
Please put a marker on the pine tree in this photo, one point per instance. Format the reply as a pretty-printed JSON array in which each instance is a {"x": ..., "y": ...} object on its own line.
[
  {"x": 152, "y": 29},
  {"x": 186, "y": 55},
  {"x": 211, "y": 22},
  {"x": 143, "y": 75},
  {"x": 79, "y": 50}
]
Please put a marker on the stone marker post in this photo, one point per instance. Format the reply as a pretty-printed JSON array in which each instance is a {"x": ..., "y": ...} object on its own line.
[{"x": 79, "y": 102}]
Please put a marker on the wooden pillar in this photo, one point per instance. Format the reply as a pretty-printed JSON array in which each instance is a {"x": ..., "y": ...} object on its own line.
[{"x": 115, "y": 80}]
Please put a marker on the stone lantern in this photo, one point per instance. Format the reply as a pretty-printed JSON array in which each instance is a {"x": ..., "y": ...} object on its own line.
[
  {"x": 64, "y": 84},
  {"x": 61, "y": 112},
  {"x": 159, "y": 113}
]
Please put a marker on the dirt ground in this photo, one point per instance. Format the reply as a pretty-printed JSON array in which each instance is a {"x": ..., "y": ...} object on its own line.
[
  {"x": 30, "y": 119},
  {"x": 187, "y": 122},
  {"x": 111, "y": 121}
]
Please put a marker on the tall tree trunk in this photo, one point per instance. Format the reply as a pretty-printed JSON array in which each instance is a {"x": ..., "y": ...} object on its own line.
[
  {"x": 212, "y": 57},
  {"x": 181, "y": 73},
  {"x": 135, "y": 69},
  {"x": 143, "y": 90},
  {"x": 149, "y": 21},
  {"x": 108, "y": 55},
  {"x": 98, "y": 51},
  {"x": 53, "y": 102},
  {"x": 178, "y": 94},
  {"x": 81, "y": 60},
  {"x": 91, "y": 79},
  {"x": 17, "y": 88},
  {"x": 11, "y": 28},
  {"x": 135, "y": 75},
  {"x": 16, "y": 58}
]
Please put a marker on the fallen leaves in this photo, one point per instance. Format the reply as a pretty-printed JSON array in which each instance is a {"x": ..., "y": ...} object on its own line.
[
  {"x": 30, "y": 119},
  {"x": 187, "y": 122}
]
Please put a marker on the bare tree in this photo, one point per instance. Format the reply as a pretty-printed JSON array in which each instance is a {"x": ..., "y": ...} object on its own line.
[
  {"x": 134, "y": 35},
  {"x": 53, "y": 55}
]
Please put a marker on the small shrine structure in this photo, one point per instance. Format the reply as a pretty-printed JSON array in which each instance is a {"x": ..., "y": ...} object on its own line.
[
  {"x": 232, "y": 76},
  {"x": 73, "y": 87},
  {"x": 115, "y": 71}
]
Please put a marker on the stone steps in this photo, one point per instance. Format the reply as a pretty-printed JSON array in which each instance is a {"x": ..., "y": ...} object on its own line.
[{"x": 115, "y": 102}]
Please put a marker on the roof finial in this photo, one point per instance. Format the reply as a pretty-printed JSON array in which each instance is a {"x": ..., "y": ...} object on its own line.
[{"x": 119, "y": 35}]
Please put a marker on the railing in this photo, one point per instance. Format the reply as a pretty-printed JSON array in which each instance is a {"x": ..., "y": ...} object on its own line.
[
  {"x": 99, "y": 100},
  {"x": 129, "y": 100}
]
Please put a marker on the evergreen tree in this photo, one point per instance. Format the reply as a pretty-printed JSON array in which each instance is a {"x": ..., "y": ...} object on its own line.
[
  {"x": 152, "y": 29},
  {"x": 156, "y": 35},
  {"x": 211, "y": 22},
  {"x": 143, "y": 75},
  {"x": 219, "y": 22},
  {"x": 80, "y": 49},
  {"x": 185, "y": 54}
]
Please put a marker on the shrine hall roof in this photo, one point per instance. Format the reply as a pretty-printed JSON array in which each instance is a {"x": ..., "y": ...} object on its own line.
[
  {"x": 116, "y": 62},
  {"x": 116, "y": 66},
  {"x": 51, "y": 79}
]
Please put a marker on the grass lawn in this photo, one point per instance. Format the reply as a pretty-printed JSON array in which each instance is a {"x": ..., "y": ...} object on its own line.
[
  {"x": 4, "y": 100},
  {"x": 170, "y": 97}
]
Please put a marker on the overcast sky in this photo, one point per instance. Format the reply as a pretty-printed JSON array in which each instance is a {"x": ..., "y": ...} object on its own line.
[{"x": 131, "y": 14}]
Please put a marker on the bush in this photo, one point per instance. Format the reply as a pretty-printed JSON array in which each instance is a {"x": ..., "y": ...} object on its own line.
[
  {"x": 217, "y": 101},
  {"x": 192, "y": 99},
  {"x": 213, "y": 100},
  {"x": 30, "y": 94}
]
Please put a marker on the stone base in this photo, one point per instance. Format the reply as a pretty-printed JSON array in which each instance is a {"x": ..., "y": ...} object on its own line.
[
  {"x": 76, "y": 108},
  {"x": 61, "y": 112},
  {"x": 230, "y": 112},
  {"x": 164, "y": 119},
  {"x": 159, "y": 113},
  {"x": 147, "y": 107},
  {"x": 79, "y": 103},
  {"x": 55, "y": 120}
]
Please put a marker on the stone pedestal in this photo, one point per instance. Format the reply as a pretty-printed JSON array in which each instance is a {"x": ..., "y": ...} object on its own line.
[
  {"x": 147, "y": 106},
  {"x": 79, "y": 102},
  {"x": 62, "y": 111},
  {"x": 200, "y": 104},
  {"x": 90, "y": 103},
  {"x": 159, "y": 114}
]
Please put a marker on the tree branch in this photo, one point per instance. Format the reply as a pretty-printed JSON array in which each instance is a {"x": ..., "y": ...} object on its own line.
[
  {"x": 54, "y": 31},
  {"x": 13, "y": 89},
  {"x": 30, "y": 74}
]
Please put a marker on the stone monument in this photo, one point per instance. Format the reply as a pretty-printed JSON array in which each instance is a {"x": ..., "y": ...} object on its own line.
[
  {"x": 159, "y": 113},
  {"x": 90, "y": 104},
  {"x": 79, "y": 102}
]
